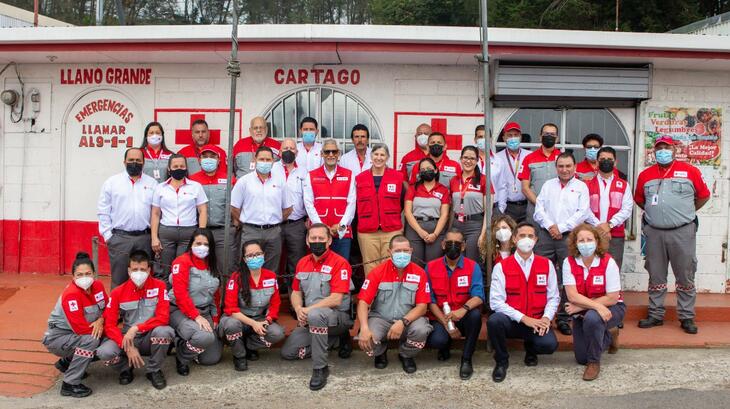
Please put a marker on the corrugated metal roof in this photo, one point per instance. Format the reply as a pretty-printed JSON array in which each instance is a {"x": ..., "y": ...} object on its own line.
[{"x": 715, "y": 25}]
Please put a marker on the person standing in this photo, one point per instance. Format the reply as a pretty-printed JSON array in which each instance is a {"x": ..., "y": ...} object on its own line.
[
  {"x": 538, "y": 167},
  {"x": 670, "y": 192},
  {"x": 309, "y": 156},
  {"x": 495, "y": 167},
  {"x": 244, "y": 149},
  {"x": 201, "y": 137},
  {"x": 510, "y": 159},
  {"x": 588, "y": 168},
  {"x": 420, "y": 151},
  {"x": 437, "y": 152},
  {"x": 468, "y": 194},
  {"x": 124, "y": 213},
  {"x": 358, "y": 160},
  {"x": 156, "y": 153}
]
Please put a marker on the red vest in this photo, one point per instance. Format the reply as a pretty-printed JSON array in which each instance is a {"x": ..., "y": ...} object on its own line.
[
  {"x": 330, "y": 197},
  {"x": 594, "y": 285},
  {"x": 381, "y": 208},
  {"x": 526, "y": 296},
  {"x": 454, "y": 289},
  {"x": 615, "y": 199}
]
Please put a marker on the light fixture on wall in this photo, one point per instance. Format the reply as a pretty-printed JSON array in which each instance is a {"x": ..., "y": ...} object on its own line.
[{"x": 10, "y": 97}]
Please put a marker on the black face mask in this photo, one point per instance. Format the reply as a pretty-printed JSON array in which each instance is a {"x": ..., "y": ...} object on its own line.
[
  {"x": 288, "y": 157},
  {"x": 605, "y": 166},
  {"x": 179, "y": 174},
  {"x": 436, "y": 150},
  {"x": 134, "y": 169},
  {"x": 318, "y": 248},
  {"x": 548, "y": 141},
  {"x": 452, "y": 250},
  {"x": 427, "y": 175}
]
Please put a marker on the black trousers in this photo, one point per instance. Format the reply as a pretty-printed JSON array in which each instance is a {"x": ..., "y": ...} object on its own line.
[{"x": 500, "y": 327}]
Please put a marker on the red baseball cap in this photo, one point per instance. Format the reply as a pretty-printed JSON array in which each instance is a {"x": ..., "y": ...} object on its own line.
[
  {"x": 664, "y": 139},
  {"x": 210, "y": 148},
  {"x": 512, "y": 125}
]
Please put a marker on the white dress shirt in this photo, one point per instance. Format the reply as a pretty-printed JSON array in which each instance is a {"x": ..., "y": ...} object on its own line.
[
  {"x": 627, "y": 204},
  {"x": 261, "y": 202},
  {"x": 566, "y": 206},
  {"x": 295, "y": 187},
  {"x": 309, "y": 200},
  {"x": 124, "y": 204},
  {"x": 309, "y": 160},
  {"x": 613, "y": 276},
  {"x": 500, "y": 192},
  {"x": 351, "y": 161},
  {"x": 179, "y": 207},
  {"x": 510, "y": 167},
  {"x": 498, "y": 294}
]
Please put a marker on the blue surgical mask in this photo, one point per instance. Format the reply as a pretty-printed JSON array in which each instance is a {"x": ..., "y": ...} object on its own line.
[
  {"x": 513, "y": 144},
  {"x": 401, "y": 260},
  {"x": 209, "y": 164},
  {"x": 481, "y": 144},
  {"x": 263, "y": 168},
  {"x": 591, "y": 153},
  {"x": 587, "y": 249},
  {"x": 664, "y": 156},
  {"x": 255, "y": 263},
  {"x": 309, "y": 136}
]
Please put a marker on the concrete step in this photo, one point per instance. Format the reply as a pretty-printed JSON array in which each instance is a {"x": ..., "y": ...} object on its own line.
[{"x": 708, "y": 307}]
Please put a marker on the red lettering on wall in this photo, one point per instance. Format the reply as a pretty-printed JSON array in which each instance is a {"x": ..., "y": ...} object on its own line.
[
  {"x": 117, "y": 76},
  {"x": 316, "y": 76}
]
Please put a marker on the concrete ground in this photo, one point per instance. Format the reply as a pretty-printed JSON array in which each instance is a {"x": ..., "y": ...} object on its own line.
[{"x": 653, "y": 378}]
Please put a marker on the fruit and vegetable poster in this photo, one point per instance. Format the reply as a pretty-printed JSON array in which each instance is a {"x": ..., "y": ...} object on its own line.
[{"x": 696, "y": 131}]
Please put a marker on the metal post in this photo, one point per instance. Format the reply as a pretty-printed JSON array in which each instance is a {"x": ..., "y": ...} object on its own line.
[
  {"x": 488, "y": 120},
  {"x": 234, "y": 70},
  {"x": 99, "y": 12},
  {"x": 35, "y": 13}
]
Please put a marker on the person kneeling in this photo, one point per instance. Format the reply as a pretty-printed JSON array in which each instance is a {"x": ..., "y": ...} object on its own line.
[
  {"x": 392, "y": 305},
  {"x": 593, "y": 285},
  {"x": 524, "y": 296}
]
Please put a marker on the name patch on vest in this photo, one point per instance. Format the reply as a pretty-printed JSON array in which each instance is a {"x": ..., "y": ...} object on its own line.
[
  {"x": 343, "y": 274},
  {"x": 176, "y": 269},
  {"x": 231, "y": 284},
  {"x": 391, "y": 187},
  {"x": 222, "y": 181},
  {"x": 680, "y": 173},
  {"x": 542, "y": 279},
  {"x": 414, "y": 278},
  {"x": 342, "y": 178},
  {"x": 153, "y": 292},
  {"x": 449, "y": 169},
  {"x": 326, "y": 269},
  {"x": 73, "y": 305},
  {"x": 99, "y": 296},
  {"x": 462, "y": 281},
  {"x": 619, "y": 184},
  {"x": 269, "y": 283},
  {"x": 438, "y": 195},
  {"x": 597, "y": 280}
]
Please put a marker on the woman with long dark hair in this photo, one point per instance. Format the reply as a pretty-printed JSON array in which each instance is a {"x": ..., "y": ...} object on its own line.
[
  {"x": 469, "y": 200},
  {"x": 251, "y": 308},
  {"x": 194, "y": 301},
  {"x": 156, "y": 153}
]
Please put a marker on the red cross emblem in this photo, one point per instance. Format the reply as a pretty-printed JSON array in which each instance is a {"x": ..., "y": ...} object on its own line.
[
  {"x": 185, "y": 136},
  {"x": 453, "y": 141}
]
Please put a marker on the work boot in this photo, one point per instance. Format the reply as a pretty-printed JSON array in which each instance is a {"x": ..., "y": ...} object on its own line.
[
  {"x": 345, "y": 346},
  {"x": 240, "y": 364},
  {"x": 252, "y": 355},
  {"x": 613, "y": 348},
  {"x": 408, "y": 364},
  {"x": 564, "y": 328},
  {"x": 466, "y": 369},
  {"x": 76, "y": 391},
  {"x": 157, "y": 379},
  {"x": 126, "y": 377},
  {"x": 181, "y": 368},
  {"x": 649, "y": 322},
  {"x": 443, "y": 354},
  {"x": 499, "y": 373},
  {"x": 592, "y": 370},
  {"x": 688, "y": 325},
  {"x": 530, "y": 359},
  {"x": 319, "y": 378},
  {"x": 381, "y": 361}
]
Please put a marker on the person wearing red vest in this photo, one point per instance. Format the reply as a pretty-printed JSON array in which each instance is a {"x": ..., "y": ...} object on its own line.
[
  {"x": 419, "y": 152},
  {"x": 593, "y": 284},
  {"x": 524, "y": 297},
  {"x": 379, "y": 192},
  {"x": 329, "y": 198},
  {"x": 455, "y": 281}
]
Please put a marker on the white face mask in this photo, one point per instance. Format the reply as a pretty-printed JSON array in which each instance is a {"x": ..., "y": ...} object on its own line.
[
  {"x": 200, "y": 251},
  {"x": 525, "y": 244},
  {"x": 154, "y": 139},
  {"x": 422, "y": 139},
  {"x": 84, "y": 282},
  {"x": 138, "y": 277},
  {"x": 503, "y": 234}
]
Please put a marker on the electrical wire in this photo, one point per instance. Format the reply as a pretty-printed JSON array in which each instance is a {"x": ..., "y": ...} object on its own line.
[{"x": 22, "y": 91}]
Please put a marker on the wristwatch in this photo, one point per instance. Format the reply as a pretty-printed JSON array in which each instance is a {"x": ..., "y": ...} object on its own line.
[
  {"x": 466, "y": 307},
  {"x": 406, "y": 322}
]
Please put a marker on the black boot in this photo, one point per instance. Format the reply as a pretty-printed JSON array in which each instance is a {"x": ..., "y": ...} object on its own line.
[
  {"x": 466, "y": 369},
  {"x": 157, "y": 379},
  {"x": 126, "y": 377},
  {"x": 499, "y": 372},
  {"x": 649, "y": 322},
  {"x": 443, "y": 354},
  {"x": 182, "y": 369},
  {"x": 252, "y": 354},
  {"x": 530, "y": 359},
  {"x": 345, "y": 346},
  {"x": 688, "y": 325},
  {"x": 63, "y": 364},
  {"x": 319, "y": 378},
  {"x": 240, "y": 364},
  {"x": 381, "y": 361},
  {"x": 564, "y": 328},
  {"x": 76, "y": 391},
  {"x": 408, "y": 364}
]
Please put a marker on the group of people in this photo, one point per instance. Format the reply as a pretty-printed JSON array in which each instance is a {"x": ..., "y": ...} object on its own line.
[{"x": 557, "y": 248}]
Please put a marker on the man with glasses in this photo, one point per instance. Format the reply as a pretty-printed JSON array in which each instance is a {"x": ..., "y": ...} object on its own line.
[
  {"x": 245, "y": 148},
  {"x": 538, "y": 167},
  {"x": 588, "y": 169},
  {"x": 329, "y": 198}
]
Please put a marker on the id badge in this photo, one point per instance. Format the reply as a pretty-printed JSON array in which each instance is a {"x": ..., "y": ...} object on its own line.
[
  {"x": 156, "y": 174},
  {"x": 655, "y": 200},
  {"x": 252, "y": 166},
  {"x": 460, "y": 217},
  {"x": 514, "y": 188}
]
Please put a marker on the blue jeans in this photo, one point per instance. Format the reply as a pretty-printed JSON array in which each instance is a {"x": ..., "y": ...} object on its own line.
[{"x": 342, "y": 247}]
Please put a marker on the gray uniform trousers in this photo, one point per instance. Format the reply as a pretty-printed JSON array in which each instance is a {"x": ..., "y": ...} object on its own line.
[
  {"x": 194, "y": 342},
  {"x": 270, "y": 239},
  {"x": 174, "y": 241},
  {"x": 234, "y": 245},
  {"x": 324, "y": 329},
  {"x": 153, "y": 344},
  {"x": 422, "y": 251},
  {"x": 678, "y": 247},
  {"x": 68, "y": 344},
  {"x": 517, "y": 211},
  {"x": 616, "y": 250},
  {"x": 242, "y": 337},
  {"x": 556, "y": 251},
  {"x": 119, "y": 246},
  {"x": 471, "y": 229},
  {"x": 294, "y": 235},
  {"x": 412, "y": 340}
]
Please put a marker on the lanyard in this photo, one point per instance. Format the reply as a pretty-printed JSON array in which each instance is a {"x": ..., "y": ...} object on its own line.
[{"x": 509, "y": 162}]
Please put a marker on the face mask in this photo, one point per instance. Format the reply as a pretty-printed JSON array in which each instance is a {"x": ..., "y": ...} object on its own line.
[
  {"x": 288, "y": 157},
  {"x": 427, "y": 175},
  {"x": 401, "y": 260},
  {"x": 209, "y": 164},
  {"x": 548, "y": 141},
  {"x": 134, "y": 169},
  {"x": 308, "y": 136},
  {"x": 481, "y": 144},
  {"x": 525, "y": 244},
  {"x": 591, "y": 153},
  {"x": 605, "y": 166},
  {"x": 318, "y": 248},
  {"x": 513, "y": 143},
  {"x": 422, "y": 139},
  {"x": 84, "y": 282},
  {"x": 503, "y": 235},
  {"x": 154, "y": 139},
  {"x": 179, "y": 174},
  {"x": 138, "y": 277},
  {"x": 664, "y": 156},
  {"x": 263, "y": 168},
  {"x": 255, "y": 263},
  {"x": 436, "y": 150},
  {"x": 587, "y": 249},
  {"x": 452, "y": 250},
  {"x": 200, "y": 251}
]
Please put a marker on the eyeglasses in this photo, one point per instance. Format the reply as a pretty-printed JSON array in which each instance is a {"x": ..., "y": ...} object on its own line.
[
  {"x": 254, "y": 255},
  {"x": 469, "y": 158},
  {"x": 331, "y": 152}
]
